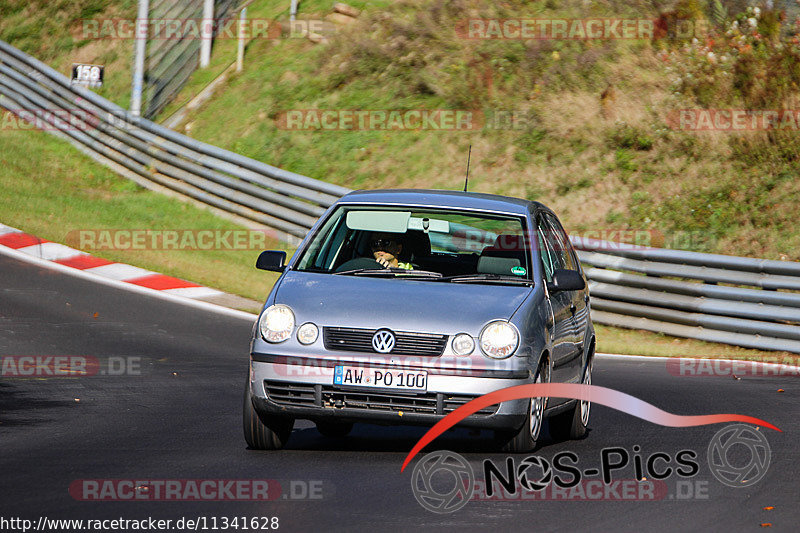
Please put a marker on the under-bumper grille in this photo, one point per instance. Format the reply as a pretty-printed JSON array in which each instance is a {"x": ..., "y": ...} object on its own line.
[
  {"x": 406, "y": 342},
  {"x": 307, "y": 395}
]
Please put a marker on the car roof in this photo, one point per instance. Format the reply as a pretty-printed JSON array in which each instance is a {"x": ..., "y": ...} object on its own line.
[{"x": 443, "y": 198}]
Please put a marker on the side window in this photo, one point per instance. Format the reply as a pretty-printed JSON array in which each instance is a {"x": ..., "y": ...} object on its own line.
[
  {"x": 571, "y": 254},
  {"x": 569, "y": 251},
  {"x": 563, "y": 248},
  {"x": 546, "y": 251},
  {"x": 328, "y": 254},
  {"x": 321, "y": 253}
]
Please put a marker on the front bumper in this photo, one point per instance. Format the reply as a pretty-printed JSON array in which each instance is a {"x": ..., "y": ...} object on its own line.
[{"x": 308, "y": 392}]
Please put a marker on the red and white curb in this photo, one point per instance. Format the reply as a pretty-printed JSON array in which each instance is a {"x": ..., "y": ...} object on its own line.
[{"x": 70, "y": 257}]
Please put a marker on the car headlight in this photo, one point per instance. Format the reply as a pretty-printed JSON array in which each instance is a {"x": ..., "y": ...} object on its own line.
[
  {"x": 276, "y": 323},
  {"x": 499, "y": 339},
  {"x": 463, "y": 344},
  {"x": 307, "y": 333}
]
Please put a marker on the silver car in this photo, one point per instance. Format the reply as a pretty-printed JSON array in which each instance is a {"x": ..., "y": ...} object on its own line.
[{"x": 400, "y": 306}]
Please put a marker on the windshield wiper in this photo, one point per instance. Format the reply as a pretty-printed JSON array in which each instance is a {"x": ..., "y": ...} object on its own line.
[
  {"x": 402, "y": 272},
  {"x": 492, "y": 278}
]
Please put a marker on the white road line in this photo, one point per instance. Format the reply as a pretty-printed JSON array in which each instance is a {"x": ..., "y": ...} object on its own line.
[
  {"x": 633, "y": 357},
  {"x": 646, "y": 358}
]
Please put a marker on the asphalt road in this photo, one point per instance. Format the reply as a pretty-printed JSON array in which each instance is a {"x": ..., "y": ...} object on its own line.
[{"x": 176, "y": 414}]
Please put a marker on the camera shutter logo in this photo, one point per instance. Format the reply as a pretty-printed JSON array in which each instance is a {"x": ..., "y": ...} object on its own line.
[
  {"x": 726, "y": 443},
  {"x": 543, "y": 481},
  {"x": 460, "y": 485},
  {"x": 383, "y": 341}
]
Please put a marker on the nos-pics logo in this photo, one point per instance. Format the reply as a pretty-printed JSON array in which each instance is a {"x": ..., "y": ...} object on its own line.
[{"x": 443, "y": 481}]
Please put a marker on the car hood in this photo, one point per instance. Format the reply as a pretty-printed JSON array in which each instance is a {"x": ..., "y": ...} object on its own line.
[{"x": 398, "y": 304}]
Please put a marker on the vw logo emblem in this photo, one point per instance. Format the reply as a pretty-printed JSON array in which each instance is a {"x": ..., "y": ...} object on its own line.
[{"x": 383, "y": 341}]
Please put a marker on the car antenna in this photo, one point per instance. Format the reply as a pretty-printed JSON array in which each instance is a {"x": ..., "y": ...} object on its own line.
[{"x": 466, "y": 180}]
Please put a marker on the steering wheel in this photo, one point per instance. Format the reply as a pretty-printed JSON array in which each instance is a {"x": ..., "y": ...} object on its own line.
[{"x": 360, "y": 262}]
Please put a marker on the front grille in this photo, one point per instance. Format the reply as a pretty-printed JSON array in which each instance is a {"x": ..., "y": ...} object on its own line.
[
  {"x": 303, "y": 395},
  {"x": 290, "y": 393},
  {"x": 406, "y": 342}
]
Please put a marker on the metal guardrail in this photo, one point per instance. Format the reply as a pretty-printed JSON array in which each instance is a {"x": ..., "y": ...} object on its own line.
[
  {"x": 719, "y": 298},
  {"x": 236, "y": 184},
  {"x": 733, "y": 300}
]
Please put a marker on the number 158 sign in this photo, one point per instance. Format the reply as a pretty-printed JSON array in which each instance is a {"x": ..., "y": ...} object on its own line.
[{"x": 88, "y": 75}]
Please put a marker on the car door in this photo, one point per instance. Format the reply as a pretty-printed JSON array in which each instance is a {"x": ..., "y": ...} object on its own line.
[
  {"x": 563, "y": 332},
  {"x": 581, "y": 299},
  {"x": 566, "y": 258}
]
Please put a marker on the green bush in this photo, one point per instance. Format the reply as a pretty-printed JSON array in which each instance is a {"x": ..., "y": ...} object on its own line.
[{"x": 625, "y": 136}]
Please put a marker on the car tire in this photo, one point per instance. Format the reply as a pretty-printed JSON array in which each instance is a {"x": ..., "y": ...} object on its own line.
[
  {"x": 528, "y": 436},
  {"x": 573, "y": 424},
  {"x": 267, "y": 432},
  {"x": 333, "y": 429}
]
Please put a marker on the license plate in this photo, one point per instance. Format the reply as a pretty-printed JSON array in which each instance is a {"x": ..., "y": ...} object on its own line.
[{"x": 380, "y": 378}]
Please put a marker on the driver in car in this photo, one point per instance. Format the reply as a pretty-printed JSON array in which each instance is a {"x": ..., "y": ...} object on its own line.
[{"x": 386, "y": 248}]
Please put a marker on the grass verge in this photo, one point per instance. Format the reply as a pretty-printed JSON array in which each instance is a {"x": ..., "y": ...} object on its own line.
[{"x": 49, "y": 189}]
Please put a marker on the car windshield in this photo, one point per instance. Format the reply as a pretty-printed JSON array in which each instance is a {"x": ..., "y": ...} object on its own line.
[{"x": 413, "y": 243}]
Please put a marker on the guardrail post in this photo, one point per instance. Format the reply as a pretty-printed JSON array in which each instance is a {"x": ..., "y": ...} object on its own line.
[
  {"x": 206, "y": 33},
  {"x": 140, "y": 39},
  {"x": 240, "y": 50}
]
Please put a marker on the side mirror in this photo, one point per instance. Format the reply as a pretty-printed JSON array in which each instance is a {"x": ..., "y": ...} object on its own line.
[
  {"x": 271, "y": 260},
  {"x": 566, "y": 280}
]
